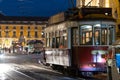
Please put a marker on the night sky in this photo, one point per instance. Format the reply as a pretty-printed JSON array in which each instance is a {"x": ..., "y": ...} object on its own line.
[{"x": 33, "y": 7}]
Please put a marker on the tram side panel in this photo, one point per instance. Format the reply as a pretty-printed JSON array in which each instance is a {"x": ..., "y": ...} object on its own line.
[
  {"x": 89, "y": 58},
  {"x": 58, "y": 56}
]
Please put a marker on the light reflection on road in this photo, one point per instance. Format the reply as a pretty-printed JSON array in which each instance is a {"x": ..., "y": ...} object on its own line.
[
  {"x": 11, "y": 67},
  {"x": 5, "y": 56},
  {"x": 2, "y": 76},
  {"x": 4, "y": 68}
]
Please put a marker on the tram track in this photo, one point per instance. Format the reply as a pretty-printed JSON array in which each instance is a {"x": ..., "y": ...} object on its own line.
[
  {"x": 40, "y": 72},
  {"x": 44, "y": 73},
  {"x": 17, "y": 75},
  {"x": 60, "y": 73}
]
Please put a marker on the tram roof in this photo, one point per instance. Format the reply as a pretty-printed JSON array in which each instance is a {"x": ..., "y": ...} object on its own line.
[
  {"x": 95, "y": 17},
  {"x": 90, "y": 17},
  {"x": 98, "y": 16}
]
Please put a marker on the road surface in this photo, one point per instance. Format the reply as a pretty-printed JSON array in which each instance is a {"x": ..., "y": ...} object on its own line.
[{"x": 26, "y": 67}]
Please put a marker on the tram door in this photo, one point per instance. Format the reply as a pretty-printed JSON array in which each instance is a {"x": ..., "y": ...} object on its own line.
[{"x": 74, "y": 36}]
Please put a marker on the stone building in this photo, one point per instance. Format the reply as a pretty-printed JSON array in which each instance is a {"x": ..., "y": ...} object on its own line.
[{"x": 14, "y": 29}]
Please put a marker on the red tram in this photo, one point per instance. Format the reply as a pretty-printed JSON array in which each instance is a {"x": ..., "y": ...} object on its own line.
[{"x": 78, "y": 45}]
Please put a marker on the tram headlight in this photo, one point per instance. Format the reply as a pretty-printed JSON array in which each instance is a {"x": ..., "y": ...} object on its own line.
[{"x": 92, "y": 65}]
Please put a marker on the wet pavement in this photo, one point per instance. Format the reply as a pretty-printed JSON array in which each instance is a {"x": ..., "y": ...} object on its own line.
[{"x": 26, "y": 67}]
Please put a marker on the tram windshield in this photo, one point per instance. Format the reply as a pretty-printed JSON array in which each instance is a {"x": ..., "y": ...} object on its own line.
[{"x": 96, "y": 34}]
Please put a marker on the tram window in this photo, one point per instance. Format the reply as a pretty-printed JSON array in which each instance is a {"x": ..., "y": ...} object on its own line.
[
  {"x": 53, "y": 42},
  {"x": 104, "y": 36},
  {"x": 87, "y": 38},
  {"x": 47, "y": 39},
  {"x": 61, "y": 44},
  {"x": 83, "y": 38},
  {"x": 99, "y": 34},
  {"x": 57, "y": 42},
  {"x": 86, "y": 32},
  {"x": 62, "y": 41},
  {"x": 75, "y": 35},
  {"x": 111, "y": 35},
  {"x": 50, "y": 42},
  {"x": 65, "y": 41},
  {"x": 47, "y": 42},
  {"x": 64, "y": 38},
  {"x": 97, "y": 37}
]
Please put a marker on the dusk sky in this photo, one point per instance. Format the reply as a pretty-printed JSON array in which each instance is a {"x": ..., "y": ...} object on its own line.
[{"x": 33, "y": 7}]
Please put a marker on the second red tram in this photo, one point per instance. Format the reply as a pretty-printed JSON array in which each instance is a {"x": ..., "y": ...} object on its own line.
[{"x": 79, "y": 44}]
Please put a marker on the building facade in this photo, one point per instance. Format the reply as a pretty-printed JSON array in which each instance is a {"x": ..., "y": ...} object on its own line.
[
  {"x": 20, "y": 30},
  {"x": 116, "y": 14},
  {"x": 94, "y": 3}
]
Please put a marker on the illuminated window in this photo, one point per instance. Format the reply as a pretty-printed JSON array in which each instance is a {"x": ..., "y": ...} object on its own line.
[
  {"x": 28, "y": 34},
  {"x": 36, "y": 34},
  {"x": 28, "y": 27},
  {"x": 14, "y": 27},
  {"x": 119, "y": 26},
  {"x": 21, "y": 33},
  {"x": 7, "y": 34},
  {"x": 43, "y": 34},
  {"x": 36, "y": 27},
  {"x": 6, "y": 27},
  {"x": 14, "y": 34},
  {"x": 63, "y": 38},
  {"x": 21, "y": 27},
  {"x": 0, "y": 34},
  {"x": 86, "y": 35}
]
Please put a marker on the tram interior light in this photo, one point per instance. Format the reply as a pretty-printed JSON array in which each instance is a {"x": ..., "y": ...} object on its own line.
[
  {"x": 64, "y": 34},
  {"x": 97, "y": 55},
  {"x": 98, "y": 25},
  {"x": 86, "y": 26},
  {"x": 99, "y": 51}
]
